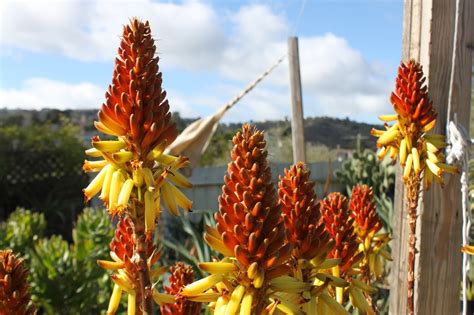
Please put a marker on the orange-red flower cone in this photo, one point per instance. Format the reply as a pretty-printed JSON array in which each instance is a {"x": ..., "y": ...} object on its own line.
[
  {"x": 181, "y": 275},
  {"x": 248, "y": 217},
  {"x": 126, "y": 276},
  {"x": 363, "y": 211},
  {"x": 367, "y": 223},
  {"x": 136, "y": 107},
  {"x": 14, "y": 295},
  {"x": 338, "y": 223},
  {"x": 135, "y": 176},
  {"x": 301, "y": 213},
  {"x": 249, "y": 233}
]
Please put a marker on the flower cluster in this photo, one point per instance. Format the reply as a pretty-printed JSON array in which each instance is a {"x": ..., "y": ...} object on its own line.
[
  {"x": 287, "y": 253},
  {"x": 14, "y": 296},
  {"x": 134, "y": 175},
  {"x": 133, "y": 168},
  {"x": 181, "y": 275},
  {"x": 126, "y": 273},
  {"x": 407, "y": 138},
  {"x": 339, "y": 224},
  {"x": 301, "y": 214},
  {"x": 367, "y": 223},
  {"x": 311, "y": 243},
  {"x": 308, "y": 269},
  {"x": 249, "y": 233}
]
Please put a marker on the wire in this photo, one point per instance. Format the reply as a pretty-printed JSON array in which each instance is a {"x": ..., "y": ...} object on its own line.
[{"x": 298, "y": 19}]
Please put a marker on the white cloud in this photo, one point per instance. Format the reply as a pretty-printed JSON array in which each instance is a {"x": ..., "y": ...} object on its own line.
[
  {"x": 236, "y": 46},
  {"x": 337, "y": 79},
  {"x": 90, "y": 32},
  {"x": 37, "y": 93}
]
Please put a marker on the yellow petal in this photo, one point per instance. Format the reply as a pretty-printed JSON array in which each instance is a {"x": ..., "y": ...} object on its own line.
[
  {"x": 434, "y": 168},
  {"x": 169, "y": 199},
  {"x": 246, "y": 306},
  {"x": 149, "y": 212},
  {"x": 125, "y": 192},
  {"x": 110, "y": 265},
  {"x": 114, "y": 300},
  {"x": 132, "y": 301},
  {"x": 408, "y": 165},
  {"x": 122, "y": 156},
  {"x": 388, "y": 117},
  {"x": 181, "y": 199},
  {"x": 96, "y": 184},
  {"x": 93, "y": 152},
  {"x": 235, "y": 299},
  {"x": 403, "y": 151},
  {"x": 115, "y": 188},
  {"x": 387, "y": 137},
  {"x": 104, "y": 194},
  {"x": 416, "y": 160},
  {"x": 217, "y": 267},
  {"x": 202, "y": 285},
  {"x": 93, "y": 166},
  {"x": 148, "y": 177},
  {"x": 468, "y": 249},
  {"x": 162, "y": 298},
  {"x": 180, "y": 180},
  {"x": 109, "y": 146}
]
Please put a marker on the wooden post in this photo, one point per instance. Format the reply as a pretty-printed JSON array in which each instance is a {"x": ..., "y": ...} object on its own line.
[
  {"x": 297, "y": 127},
  {"x": 436, "y": 33}
]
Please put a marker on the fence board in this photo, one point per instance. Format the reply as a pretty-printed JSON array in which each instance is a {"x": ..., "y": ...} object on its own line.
[{"x": 208, "y": 181}]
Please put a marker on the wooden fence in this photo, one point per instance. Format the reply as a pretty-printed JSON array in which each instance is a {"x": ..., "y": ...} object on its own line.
[{"x": 208, "y": 182}]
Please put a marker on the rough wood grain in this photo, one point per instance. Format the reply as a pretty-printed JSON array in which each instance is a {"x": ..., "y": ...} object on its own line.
[
  {"x": 429, "y": 37},
  {"x": 297, "y": 128}
]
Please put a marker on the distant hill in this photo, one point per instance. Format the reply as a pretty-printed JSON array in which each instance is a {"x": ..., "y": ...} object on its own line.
[
  {"x": 328, "y": 131},
  {"x": 322, "y": 134}
]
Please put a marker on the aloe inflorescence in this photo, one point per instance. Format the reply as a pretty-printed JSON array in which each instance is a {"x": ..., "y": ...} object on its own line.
[
  {"x": 311, "y": 242},
  {"x": 301, "y": 214},
  {"x": 14, "y": 295},
  {"x": 420, "y": 154},
  {"x": 181, "y": 275},
  {"x": 367, "y": 225},
  {"x": 134, "y": 175},
  {"x": 250, "y": 235}
]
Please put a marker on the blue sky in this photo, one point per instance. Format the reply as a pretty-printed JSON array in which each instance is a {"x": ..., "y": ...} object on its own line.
[{"x": 60, "y": 54}]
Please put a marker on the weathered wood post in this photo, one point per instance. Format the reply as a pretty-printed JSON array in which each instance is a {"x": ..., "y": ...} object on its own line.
[
  {"x": 436, "y": 33},
  {"x": 297, "y": 127}
]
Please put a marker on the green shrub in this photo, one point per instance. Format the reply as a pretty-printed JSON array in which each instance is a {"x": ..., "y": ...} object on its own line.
[
  {"x": 364, "y": 168},
  {"x": 64, "y": 277},
  {"x": 41, "y": 168}
]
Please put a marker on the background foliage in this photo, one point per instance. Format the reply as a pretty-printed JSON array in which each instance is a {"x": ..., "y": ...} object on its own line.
[
  {"x": 40, "y": 168},
  {"x": 64, "y": 278}
]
